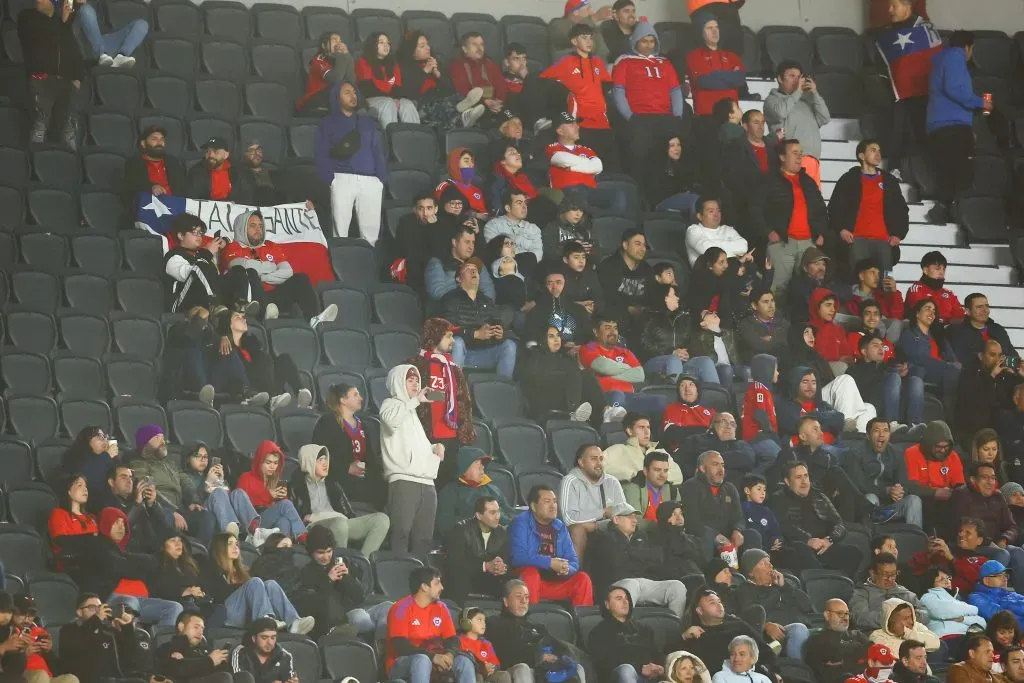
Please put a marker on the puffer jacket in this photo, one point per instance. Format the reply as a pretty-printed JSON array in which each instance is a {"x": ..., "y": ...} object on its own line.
[
  {"x": 267, "y": 258},
  {"x": 664, "y": 332},
  {"x": 470, "y": 314},
  {"x": 812, "y": 516},
  {"x": 989, "y": 600}
]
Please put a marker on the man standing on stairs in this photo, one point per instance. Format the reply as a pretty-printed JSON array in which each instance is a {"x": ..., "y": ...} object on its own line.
[
  {"x": 727, "y": 14},
  {"x": 796, "y": 109},
  {"x": 951, "y": 107}
]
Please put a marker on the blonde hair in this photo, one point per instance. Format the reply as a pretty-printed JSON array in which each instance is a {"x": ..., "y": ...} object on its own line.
[{"x": 234, "y": 570}]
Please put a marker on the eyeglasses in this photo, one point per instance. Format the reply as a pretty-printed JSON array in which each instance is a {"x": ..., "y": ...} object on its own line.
[
  {"x": 198, "y": 232},
  {"x": 90, "y": 607}
]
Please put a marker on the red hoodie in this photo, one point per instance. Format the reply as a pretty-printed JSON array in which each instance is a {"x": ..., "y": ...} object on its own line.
[
  {"x": 252, "y": 481},
  {"x": 108, "y": 516},
  {"x": 473, "y": 195},
  {"x": 584, "y": 78},
  {"x": 830, "y": 339},
  {"x": 758, "y": 397}
]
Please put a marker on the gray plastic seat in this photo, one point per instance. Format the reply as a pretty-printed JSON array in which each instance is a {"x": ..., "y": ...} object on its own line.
[
  {"x": 838, "y": 47},
  {"x": 137, "y": 335},
  {"x": 269, "y": 100},
  {"x": 130, "y": 376},
  {"x": 354, "y": 263},
  {"x": 245, "y": 428},
  {"x": 140, "y": 296},
  {"x": 531, "y": 33},
  {"x": 272, "y": 137},
  {"x": 111, "y": 129},
  {"x": 143, "y": 253},
  {"x": 22, "y": 549},
  {"x": 13, "y": 200},
  {"x": 566, "y": 439},
  {"x": 224, "y": 58},
  {"x": 33, "y": 417},
  {"x": 44, "y": 250},
  {"x": 78, "y": 413},
  {"x": 84, "y": 334},
  {"x": 103, "y": 168},
  {"x": 345, "y": 348},
  {"x": 193, "y": 421},
  {"x": 295, "y": 427},
  {"x": 101, "y": 209},
  {"x": 398, "y": 305},
  {"x": 349, "y": 657},
  {"x": 25, "y": 372},
  {"x": 301, "y": 135},
  {"x": 133, "y": 413},
  {"x": 56, "y": 167},
  {"x": 280, "y": 23},
  {"x": 14, "y": 166},
  {"x": 97, "y": 254},
  {"x": 319, "y": 19},
  {"x": 117, "y": 88},
  {"x": 35, "y": 289},
  {"x": 496, "y": 397},
  {"x": 78, "y": 376},
  {"x": 31, "y": 330},
  {"x": 782, "y": 43},
  {"x": 55, "y": 598},
  {"x": 485, "y": 25},
  {"x": 52, "y": 207},
  {"x": 842, "y": 91},
  {"x": 522, "y": 443},
  {"x": 392, "y": 570},
  {"x": 392, "y": 347},
  {"x": 296, "y": 339},
  {"x": 436, "y": 27},
  {"x": 368, "y": 20},
  {"x": 174, "y": 54},
  {"x": 89, "y": 293},
  {"x": 993, "y": 53},
  {"x": 16, "y": 462},
  {"x": 406, "y": 182},
  {"x": 203, "y": 127},
  {"x": 177, "y": 17},
  {"x": 275, "y": 61},
  {"x": 169, "y": 93},
  {"x": 353, "y": 301},
  {"x": 226, "y": 19}
]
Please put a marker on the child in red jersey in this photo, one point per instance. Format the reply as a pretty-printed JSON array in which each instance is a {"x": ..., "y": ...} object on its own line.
[{"x": 473, "y": 625}]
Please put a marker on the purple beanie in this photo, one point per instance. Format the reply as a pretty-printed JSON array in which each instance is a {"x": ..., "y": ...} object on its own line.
[{"x": 144, "y": 433}]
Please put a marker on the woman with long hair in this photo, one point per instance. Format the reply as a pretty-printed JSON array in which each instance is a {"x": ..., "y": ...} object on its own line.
[
  {"x": 70, "y": 526},
  {"x": 332, "y": 63},
  {"x": 667, "y": 335},
  {"x": 1005, "y": 634},
  {"x": 672, "y": 182},
  {"x": 552, "y": 381},
  {"x": 91, "y": 455},
  {"x": 176, "y": 576},
  {"x": 246, "y": 597},
  {"x": 355, "y": 458},
  {"x": 683, "y": 667},
  {"x": 269, "y": 494},
  {"x": 986, "y": 447},
  {"x": 928, "y": 351},
  {"x": 426, "y": 83},
  {"x": 205, "y": 485},
  {"x": 380, "y": 81}
]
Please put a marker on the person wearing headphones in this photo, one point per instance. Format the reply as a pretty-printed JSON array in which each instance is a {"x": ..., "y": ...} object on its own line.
[
  {"x": 260, "y": 655},
  {"x": 472, "y": 626}
]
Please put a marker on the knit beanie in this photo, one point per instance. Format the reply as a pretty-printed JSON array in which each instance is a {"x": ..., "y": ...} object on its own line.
[
  {"x": 750, "y": 559},
  {"x": 144, "y": 433},
  {"x": 433, "y": 332},
  {"x": 713, "y": 569},
  {"x": 701, "y": 17}
]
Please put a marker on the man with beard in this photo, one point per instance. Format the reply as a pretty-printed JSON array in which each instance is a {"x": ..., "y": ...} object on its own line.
[
  {"x": 985, "y": 389},
  {"x": 834, "y": 652},
  {"x": 913, "y": 664},
  {"x": 981, "y": 500},
  {"x": 261, "y": 656},
  {"x": 712, "y": 505},
  {"x": 650, "y": 487},
  {"x": 137, "y": 501},
  {"x": 570, "y": 319},
  {"x": 151, "y": 171},
  {"x": 712, "y": 630},
  {"x": 215, "y": 177},
  {"x": 624, "y": 276},
  {"x": 588, "y": 496},
  {"x": 99, "y": 645},
  {"x": 879, "y": 472},
  {"x": 188, "y": 658},
  {"x": 977, "y": 668},
  {"x": 617, "y": 369},
  {"x": 448, "y": 421},
  {"x": 153, "y": 468}
]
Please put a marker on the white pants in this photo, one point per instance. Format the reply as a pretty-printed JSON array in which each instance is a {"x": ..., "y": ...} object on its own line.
[
  {"x": 671, "y": 594},
  {"x": 843, "y": 394},
  {"x": 364, "y": 193},
  {"x": 388, "y": 112}
]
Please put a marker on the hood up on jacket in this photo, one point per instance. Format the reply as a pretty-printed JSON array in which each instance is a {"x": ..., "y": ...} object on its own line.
[
  {"x": 467, "y": 456},
  {"x": 108, "y": 516},
  {"x": 665, "y": 510},
  {"x": 934, "y": 432},
  {"x": 642, "y": 30},
  {"x": 460, "y": 175},
  {"x": 333, "y": 102},
  {"x": 396, "y": 381},
  {"x": 241, "y": 230},
  {"x": 817, "y": 297},
  {"x": 696, "y": 382},
  {"x": 762, "y": 369},
  {"x": 701, "y": 670},
  {"x": 308, "y": 455},
  {"x": 606, "y": 614},
  {"x": 793, "y": 379},
  {"x": 890, "y": 606},
  {"x": 262, "y": 451}
]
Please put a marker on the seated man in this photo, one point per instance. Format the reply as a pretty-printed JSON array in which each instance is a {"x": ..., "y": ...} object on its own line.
[
  {"x": 934, "y": 469},
  {"x": 948, "y": 308},
  {"x": 588, "y": 495},
  {"x": 826, "y": 473},
  {"x": 871, "y": 286},
  {"x": 147, "y": 524},
  {"x": 85, "y": 644},
  {"x": 525, "y": 236},
  {"x": 887, "y": 386},
  {"x": 814, "y": 273},
  {"x": 764, "y": 332},
  {"x": 622, "y": 557},
  {"x": 260, "y": 655},
  {"x": 477, "y": 560},
  {"x": 963, "y": 564},
  {"x": 626, "y": 461},
  {"x": 542, "y": 554},
  {"x": 151, "y": 171},
  {"x": 979, "y": 327},
  {"x": 712, "y": 505},
  {"x": 474, "y": 69},
  {"x": 624, "y": 276},
  {"x": 985, "y": 389},
  {"x": 417, "y": 237},
  {"x": 682, "y": 552},
  {"x": 215, "y": 177},
  {"x": 879, "y": 472},
  {"x": 556, "y": 310},
  {"x": 760, "y": 421},
  {"x": 811, "y": 527},
  {"x": 457, "y": 500},
  {"x": 188, "y": 657},
  {"x": 421, "y": 636},
  {"x": 992, "y": 593},
  {"x": 623, "y": 650},
  {"x": 867, "y": 599},
  {"x": 981, "y": 500},
  {"x": 978, "y": 665},
  {"x": 646, "y": 493},
  {"x": 913, "y": 664},
  {"x": 786, "y": 608},
  {"x": 740, "y": 458},
  {"x": 617, "y": 368},
  {"x": 272, "y": 280},
  {"x": 439, "y": 276},
  {"x": 835, "y": 651},
  {"x": 712, "y": 630},
  {"x": 485, "y": 338},
  {"x": 709, "y": 232},
  {"x": 800, "y": 397}
]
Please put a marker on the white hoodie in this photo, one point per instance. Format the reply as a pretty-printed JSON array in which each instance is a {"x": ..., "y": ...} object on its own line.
[
  {"x": 699, "y": 239},
  {"x": 404, "y": 446}
]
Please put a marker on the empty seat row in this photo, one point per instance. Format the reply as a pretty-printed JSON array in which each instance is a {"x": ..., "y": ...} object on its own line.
[{"x": 87, "y": 208}]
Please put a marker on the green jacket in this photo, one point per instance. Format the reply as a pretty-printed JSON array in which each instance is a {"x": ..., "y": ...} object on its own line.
[
  {"x": 166, "y": 475},
  {"x": 638, "y": 496},
  {"x": 457, "y": 500}
]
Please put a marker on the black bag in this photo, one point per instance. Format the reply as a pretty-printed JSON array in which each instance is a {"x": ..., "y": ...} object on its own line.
[{"x": 348, "y": 145}]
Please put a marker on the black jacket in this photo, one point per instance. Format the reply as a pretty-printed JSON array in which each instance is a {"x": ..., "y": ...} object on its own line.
[
  {"x": 967, "y": 341},
  {"x": 340, "y": 596},
  {"x": 742, "y": 171},
  {"x": 874, "y": 472},
  {"x": 560, "y": 311},
  {"x": 136, "y": 180},
  {"x": 751, "y": 332},
  {"x": 701, "y": 507},
  {"x": 369, "y": 489},
  {"x": 584, "y": 286},
  {"x": 517, "y": 640},
  {"x": 663, "y": 332},
  {"x": 901, "y": 674},
  {"x": 241, "y": 184},
  {"x": 845, "y": 204},
  {"x": 623, "y": 287},
  {"x": 93, "y": 650},
  {"x": 552, "y": 381},
  {"x": 773, "y": 207},
  {"x": 417, "y": 242},
  {"x": 97, "y": 564},
  {"x": 681, "y": 552},
  {"x": 469, "y": 314},
  {"x": 613, "y": 643},
  {"x": 782, "y": 604},
  {"x": 870, "y": 380},
  {"x": 48, "y": 44},
  {"x": 713, "y": 646},
  {"x": 980, "y": 396},
  {"x": 194, "y": 662},
  {"x": 279, "y": 667},
  {"x": 464, "y": 572},
  {"x": 282, "y": 565},
  {"x": 811, "y": 516},
  {"x": 148, "y": 523},
  {"x": 666, "y": 178},
  {"x": 836, "y": 655},
  {"x": 612, "y": 557}
]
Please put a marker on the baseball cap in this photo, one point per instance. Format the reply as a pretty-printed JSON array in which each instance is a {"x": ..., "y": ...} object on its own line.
[
  {"x": 565, "y": 117},
  {"x": 812, "y": 254},
  {"x": 881, "y": 653},
  {"x": 215, "y": 143},
  {"x": 24, "y": 604},
  {"x": 991, "y": 568},
  {"x": 623, "y": 509},
  {"x": 573, "y": 5}
]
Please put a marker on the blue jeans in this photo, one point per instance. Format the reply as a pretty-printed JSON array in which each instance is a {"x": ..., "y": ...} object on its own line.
[
  {"x": 417, "y": 669},
  {"x": 228, "y": 375},
  {"x": 627, "y": 673},
  {"x": 909, "y": 506},
  {"x": 726, "y": 373},
  {"x": 150, "y": 610},
  {"x": 283, "y": 516},
  {"x": 502, "y": 357},
  {"x": 651, "y": 405},
  {"x": 231, "y": 507},
  {"x": 894, "y": 388},
  {"x": 258, "y": 598},
  {"x": 684, "y": 202},
  {"x": 796, "y": 636},
  {"x": 701, "y": 367},
  {"x": 372, "y": 620},
  {"x": 123, "y": 41}
]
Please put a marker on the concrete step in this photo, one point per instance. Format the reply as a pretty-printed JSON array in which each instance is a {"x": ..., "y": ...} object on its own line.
[
  {"x": 1009, "y": 318},
  {"x": 761, "y": 86},
  {"x": 828, "y": 185},
  {"x": 999, "y": 296},
  {"x": 1016, "y": 337},
  {"x": 841, "y": 150},
  {"x": 832, "y": 171},
  {"x": 841, "y": 129},
  {"x": 978, "y": 255},
  {"x": 918, "y": 211},
  {"x": 934, "y": 235},
  {"x": 971, "y": 275}
]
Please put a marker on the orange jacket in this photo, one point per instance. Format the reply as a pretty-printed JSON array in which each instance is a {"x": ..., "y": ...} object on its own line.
[
  {"x": 694, "y": 5},
  {"x": 933, "y": 474}
]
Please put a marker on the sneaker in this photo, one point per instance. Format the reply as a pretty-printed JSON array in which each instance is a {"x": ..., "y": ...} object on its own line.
[
  {"x": 271, "y": 312},
  {"x": 281, "y": 625},
  {"x": 541, "y": 125},
  {"x": 937, "y": 215},
  {"x": 206, "y": 394},
  {"x": 471, "y": 116},
  {"x": 883, "y": 515},
  {"x": 916, "y": 432},
  {"x": 471, "y": 99},
  {"x": 123, "y": 61},
  {"x": 251, "y": 309},
  {"x": 106, "y": 60},
  {"x": 259, "y": 536},
  {"x": 582, "y": 413},
  {"x": 302, "y": 625},
  {"x": 328, "y": 315},
  {"x": 254, "y": 525},
  {"x": 305, "y": 398},
  {"x": 256, "y": 400},
  {"x": 614, "y": 413},
  {"x": 232, "y": 528},
  {"x": 280, "y": 401},
  {"x": 70, "y": 135},
  {"x": 895, "y": 427},
  {"x": 38, "y": 134},
  {"x": 850, "y": 425}
]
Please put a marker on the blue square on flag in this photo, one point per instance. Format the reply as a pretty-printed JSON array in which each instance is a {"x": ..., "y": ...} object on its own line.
[{"x": 155, "y": 213}]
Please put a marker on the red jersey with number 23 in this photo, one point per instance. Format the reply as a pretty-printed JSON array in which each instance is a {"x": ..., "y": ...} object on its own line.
[
  {"x": 358, "y": 436},
  {"x": 425, "y": 627}
]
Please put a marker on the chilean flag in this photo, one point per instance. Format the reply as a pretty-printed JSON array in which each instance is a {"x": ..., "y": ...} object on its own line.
[
  {"x": 291, "y": 226},
  {"x": 907, "y": 52}
]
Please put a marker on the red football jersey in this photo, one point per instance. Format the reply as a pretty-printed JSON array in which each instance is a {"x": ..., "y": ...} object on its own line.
[
  {"x": 948, "y": 306},
  {"x": 564, "y": 177},
  {"x": 584, "y": 79},
  {"x": 425, "y": 627},
  {"x": 701, "y": 62},
  {"x": 758, "y": 397},
  {"x": 648, "y": 82},
  {"x": 589, "y": 352}
]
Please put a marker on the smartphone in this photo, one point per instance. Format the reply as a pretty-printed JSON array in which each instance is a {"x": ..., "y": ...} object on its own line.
[
  {"x": 339, "y": 560},
  {"x": 214, "y": 462},
  {"x": 146, "y": 481},
  {"x": 111, "y": 442},
  {"x": 1012, "y": 362},
  {"x": 888, "y": 273},
  {"x": 433, "y": 395}
]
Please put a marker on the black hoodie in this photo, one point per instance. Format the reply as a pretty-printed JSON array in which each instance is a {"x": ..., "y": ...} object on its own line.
[
  {"x": 681, "y": 552},
  {"x": 613, "y": 643},
  {"x": 517, "y": 640},
  {"x": 49, "y": 45},
  {"x": 613, "y": 557},
  {"x": 624, "y": 287},
  {"x": 713, "y": 645}
]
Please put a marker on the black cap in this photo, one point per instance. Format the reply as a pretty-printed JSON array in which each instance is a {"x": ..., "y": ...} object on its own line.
[
  {"x": 215, "y": 143},
  {"x": 565, "y": 117},
  {"x": 149, "y": 130},
  {"x": 24, "y": 604},
  {"x": 506, "y": 115},
  {"x": 581, "y": 29},
  {"x": 6, "y": 602}
]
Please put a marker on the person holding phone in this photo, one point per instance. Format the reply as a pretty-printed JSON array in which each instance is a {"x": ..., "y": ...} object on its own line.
[
  {"x": 268, "y": 493},
  {"x": 188, "y": 657},
  {"x": 100, "y": 644},
  {"x": 485, "y": 339}
]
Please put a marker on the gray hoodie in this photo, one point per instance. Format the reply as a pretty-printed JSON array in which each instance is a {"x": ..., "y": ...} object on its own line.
[
  {"x": 642, "y": 30},
  {"x": 581, "y": 500},
  {"x": 866, "y": 604},
  {"x": 270, "y": 272},
  {"x": 800, "y": 114},
  {"x": 405, "y": 448}
]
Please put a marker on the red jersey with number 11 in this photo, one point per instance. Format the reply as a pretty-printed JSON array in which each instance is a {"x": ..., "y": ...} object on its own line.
[{"x": 648, "y": 81}]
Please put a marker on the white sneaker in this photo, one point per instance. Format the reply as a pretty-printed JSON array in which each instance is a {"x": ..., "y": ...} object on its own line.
[
  {"x": 259, "y": 536},
  {"x": 471, "y": 99},
  {"x": 328, "y": 315},
  {"x": 271, "y": 312},
  {"x": 251, "y": 309},
  {"x": 614, "y": 413},
  {"x": 582, "y": 413},
  {"x": 232, "y": 528},
  {"x": 280, "y": 401},
  {"x": 302, "y": 625},
  {"x": 541, "y": 125},
  {"x": 305, "y": 398},
  {"x": 895, "y": 426},
  {"x": 850, "y": 425},
  {"x": 257, "y": 400},
  {"x": 207, "y": 393},
  {"x": 123, "y": 61},
  {"x": 106, "y": 60},
  {"x": 471, "y": 116}
]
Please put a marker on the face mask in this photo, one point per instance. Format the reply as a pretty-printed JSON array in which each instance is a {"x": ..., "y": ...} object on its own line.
[{"x": 468, "y": 174}]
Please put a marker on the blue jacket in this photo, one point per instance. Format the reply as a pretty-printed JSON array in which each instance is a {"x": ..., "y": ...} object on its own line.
[
  {"x": 990, "y": 600},
  {"x": 761, "y": 518},
  {"x": 370, "y": 160},
  {"x": 917, "y": 348},
  {"x": 524, "y": 544},
  {"x": 951, "y": 98}
]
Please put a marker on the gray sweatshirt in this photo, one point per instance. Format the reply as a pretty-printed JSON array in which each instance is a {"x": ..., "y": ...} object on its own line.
[
  {"x": 581, "y": 500},
  {"x": 866, "y": 604},
  {"x": 801, "y": 114}
]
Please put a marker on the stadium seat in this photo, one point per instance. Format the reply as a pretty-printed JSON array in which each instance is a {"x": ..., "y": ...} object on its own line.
[
  {"x": 203, "y": 127},
  {"x": 275, "y": 61},
  {"x": 324, "y": 377},
  {"x": 33, "y": 417},
  {"x": 78, "y": 376},
  {"x": 14, "y": 201},
  {"x": 349, "y": 657},
  {"x": 112, "y": 130},
  {"x": 391, "y": 347},
  {"x": 353, "y": 301},
  {"x": 25, "y": 372},
  {"x": 675, "y": 34},
  {"x": 177, "y": 18},
  {"x": 531, "y": 33},
  {"x": 218, "y": 96},
  {"x": 784, "y": 43},
  {"x": 16, "y": 462},
  {"x": 12, "y": 119},
  {"x": 56, "y": 167},
  {"x": 392, "y": 570},
  {"x": 117, "y": 88},
  {"x": 295, "y": 338},
  {"x": 567, "y": 438},
  {"x": 910, "y": 539},
  {"x": 376, "y": 383},
  {"x": 44, "y": 250},
  {"x": 130, "y": 376},
  {"x": 607, "y": 231},
  {"x": 103, "y": 168},
  {"x": 122, "y": 12},
  {"x": 295, "y": 427},
  {"x": 496, "y": 397},
  {"x": 132, "y": 413},
  {"x": 718, "y": 398},
  {"x": 84, "y": 334},
  {"x": 842, "y": 91},
  {"x": 79, "y": 413},
  {"x": 269, "y": 100},
  {"x": 984, "y": 218},
  {"x": 226, "y": 19},
  {"x": 415, "y": 145},
  {"x": 30, "y": 329},
  {"x": 406, "y": 182},
  {"x": 472, "y": 138},
  {"x": 369, "y": 20},
  {"x": 194, "y": 421},
  {"x": 522, "y": 443},
  {"x": 224, "y": 58},
  {"x": 175, "y": 139},
  {"x": 838, "y": 47},
  {"x": 55, "y": 598},
  {"x": 505, "y": 481},
  {"x": 88, "y": 293},
  {"x": 245, "y": 428},
  {"x": 174, "y": 55},
  {"x": 319, "y": 20},
  {"x": 436, "y": 27},
  {"x": 102, "y": 210},
  {"x": 277, "y": 22},
  {"x": 140, "y": 296},
  {"x": 993, "y": 53},
  {"x": 933, "y": 409},
  {"x": 10, "y": 44},
  {"x": 795, "y": 670},
  {"x": 137, "y": 335},
  {"x": 305, "y": 654},
  {"x": 35, "y": 289},
  {"x": 271, "y": 135},
  {"x": 301, "y": 135},
  {"x": 354, "y": 263},
  {"x": 22, "y": 549},
  {"x": 484, "y": 437},
  {"x": 14, "y": 166},
  {"x": 991, "y": 177},
  {"x": 143, "y": 253},
  {"x": 398, "y": 305},
  {"x": 52, "y": 207},
  {"x": 663, "y": 623},
  {"x": 822, "y": 588},
  {"x": 485, "y": 25},
  {"x": 666, "y": 233},
  {"x": 97, "y": 254},
  {"x": 530, "y": 477}
]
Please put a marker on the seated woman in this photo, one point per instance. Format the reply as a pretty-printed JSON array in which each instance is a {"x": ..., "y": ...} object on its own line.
[
  {"x": 986, "y": 447},
  {"x": 666, "y": 337},
  {"x": 672, "y": 182},
  {"x": 92, "y": 454},
  {"x": 380, "y": 82},
  {"x": 269, "y": 495},
  {"x": 204, "y": 487},
  {"x": 176, "y": 576},
  {"x": 332, "y": 63},
  {"x": 509, "y": 284},
  {"x": 426, "y": 83},
  {"x": 464, "y": 176},
  {"x": 572, "y": 225},
  {"x": 321, "y": 501},
  {"x": 715, "y": 341},
  {"x": 228, "y": 583},
  {"x": 356, "y": 459},
  {"x": 553, "y": 381},
  {"x": 928, "y": 351}
]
